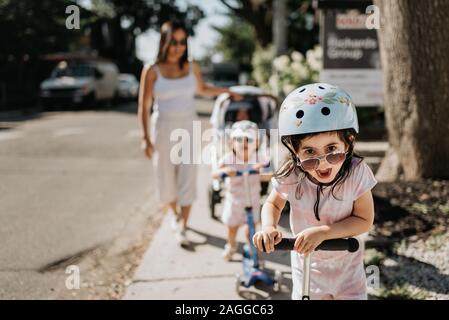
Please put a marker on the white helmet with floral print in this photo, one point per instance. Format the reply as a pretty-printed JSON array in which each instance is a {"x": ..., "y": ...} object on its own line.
[{"x": 317, "y": 107}]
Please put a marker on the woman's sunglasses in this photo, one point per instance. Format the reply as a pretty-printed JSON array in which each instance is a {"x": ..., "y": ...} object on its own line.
[
  {"x": 242, "y": 139},
  {"x": 334, "y": 157},
  {"x": 182, "y": 42}
]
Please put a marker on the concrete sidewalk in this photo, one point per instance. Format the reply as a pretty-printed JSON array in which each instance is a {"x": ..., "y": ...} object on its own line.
[{"x": 199, "y": 272}]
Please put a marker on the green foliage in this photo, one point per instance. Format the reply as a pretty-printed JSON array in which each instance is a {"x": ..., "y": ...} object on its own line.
[
  {"x": 147, "y": 14},
  {"x": 262, "y": 65},
  {"x": 35, "y": 27},
  {"x": 283, "y": 74},
  {"x": 38, "y": 27},
  {"x": 236, "y": 42},
  {"x": 303, "y": 27}
]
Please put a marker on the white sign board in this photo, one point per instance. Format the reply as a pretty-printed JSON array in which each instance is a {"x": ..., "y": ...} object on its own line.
[
  {"x": 364, "y": 85},
  {"x": 351, "y": 56}
]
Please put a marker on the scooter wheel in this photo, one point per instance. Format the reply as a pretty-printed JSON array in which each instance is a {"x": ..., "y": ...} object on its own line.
[
  {"x": 238, "y": 283},
  {"x": 277, "y": 281}
]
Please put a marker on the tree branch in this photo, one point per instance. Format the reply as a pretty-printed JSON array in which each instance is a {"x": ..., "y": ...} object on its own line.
[{"x": 236, "y": 10}]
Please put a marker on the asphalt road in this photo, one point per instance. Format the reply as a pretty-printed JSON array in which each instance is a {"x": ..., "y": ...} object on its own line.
[{"x": 70, "y": 182}]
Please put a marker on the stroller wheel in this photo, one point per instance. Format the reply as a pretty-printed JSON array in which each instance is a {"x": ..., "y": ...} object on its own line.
[{"x": 277, "y": 281}]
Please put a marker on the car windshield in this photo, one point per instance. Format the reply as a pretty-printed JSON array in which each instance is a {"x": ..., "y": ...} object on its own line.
[{"x": 76, "y": 70}]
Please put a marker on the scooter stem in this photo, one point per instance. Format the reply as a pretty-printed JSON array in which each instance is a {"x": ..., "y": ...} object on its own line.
[
  {"x": 250, "y": 219},
  {"x": 247, "y": 188},
  {"x": 306, "y": 278}
]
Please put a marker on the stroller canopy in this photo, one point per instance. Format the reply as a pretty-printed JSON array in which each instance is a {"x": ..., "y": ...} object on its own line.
[{"x": 260, "y": 107}]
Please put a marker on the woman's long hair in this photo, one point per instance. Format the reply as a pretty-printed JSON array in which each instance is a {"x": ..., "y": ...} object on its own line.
[
  {"x": 167, "y": 30},
  {"x": 291, "y": 165}
]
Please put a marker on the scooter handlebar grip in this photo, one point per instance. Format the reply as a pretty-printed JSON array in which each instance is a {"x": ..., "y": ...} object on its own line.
[
  {"x": 285, "y": 244},
  {"x": 350, "y": 244}
]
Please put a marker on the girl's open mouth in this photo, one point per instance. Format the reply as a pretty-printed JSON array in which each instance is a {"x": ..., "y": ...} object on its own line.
[{"x": 324, "y": 174}]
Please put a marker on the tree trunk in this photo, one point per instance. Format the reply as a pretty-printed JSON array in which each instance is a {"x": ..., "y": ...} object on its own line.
[
  {"x": 280, "y": 26},
  {"x": 414, "y": 43},
  {"x": 258, "y": 13}
]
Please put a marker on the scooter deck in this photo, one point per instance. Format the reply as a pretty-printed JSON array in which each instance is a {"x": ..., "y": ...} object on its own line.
[{"x": 251, "y": 275}]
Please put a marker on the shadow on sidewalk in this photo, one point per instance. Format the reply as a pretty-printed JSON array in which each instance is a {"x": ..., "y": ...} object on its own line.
[{"x": 280, "y": 257}]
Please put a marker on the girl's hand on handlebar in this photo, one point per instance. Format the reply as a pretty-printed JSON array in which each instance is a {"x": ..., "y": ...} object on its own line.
[
  {"x": 268, "y": 238},
  {"x": 308, "y": 239}
]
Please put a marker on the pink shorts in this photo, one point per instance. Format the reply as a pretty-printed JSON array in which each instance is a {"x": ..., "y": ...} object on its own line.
[{"x": 234, "y": 214}]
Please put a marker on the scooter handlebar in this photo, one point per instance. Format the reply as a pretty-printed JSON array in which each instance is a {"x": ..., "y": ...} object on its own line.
[
  {"x": 241, "y": 173},
  {"x": 350, "y": 244}
]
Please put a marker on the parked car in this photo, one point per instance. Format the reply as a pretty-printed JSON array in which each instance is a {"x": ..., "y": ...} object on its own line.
[
  {"x": 225, "y": 74},
  {"x": 128, "y": 86},
  {"x": 81, "y": 82}
]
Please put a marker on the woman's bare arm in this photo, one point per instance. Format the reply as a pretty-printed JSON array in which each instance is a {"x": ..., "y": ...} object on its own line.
[
  {"x": 147, "y": 79},
  {"x": 201, "y": 88}
]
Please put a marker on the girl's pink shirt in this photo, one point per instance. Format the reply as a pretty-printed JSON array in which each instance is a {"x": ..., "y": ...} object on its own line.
[{"x": 331, "y": 210}]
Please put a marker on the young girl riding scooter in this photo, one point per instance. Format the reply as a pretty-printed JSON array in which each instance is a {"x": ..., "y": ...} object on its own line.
[
  {"x": 328, "y": 187},
  {"x": 244, "y": 156}
]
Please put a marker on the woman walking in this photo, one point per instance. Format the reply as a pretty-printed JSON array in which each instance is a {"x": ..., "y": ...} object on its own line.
[{"x": 169, "y": 87}]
